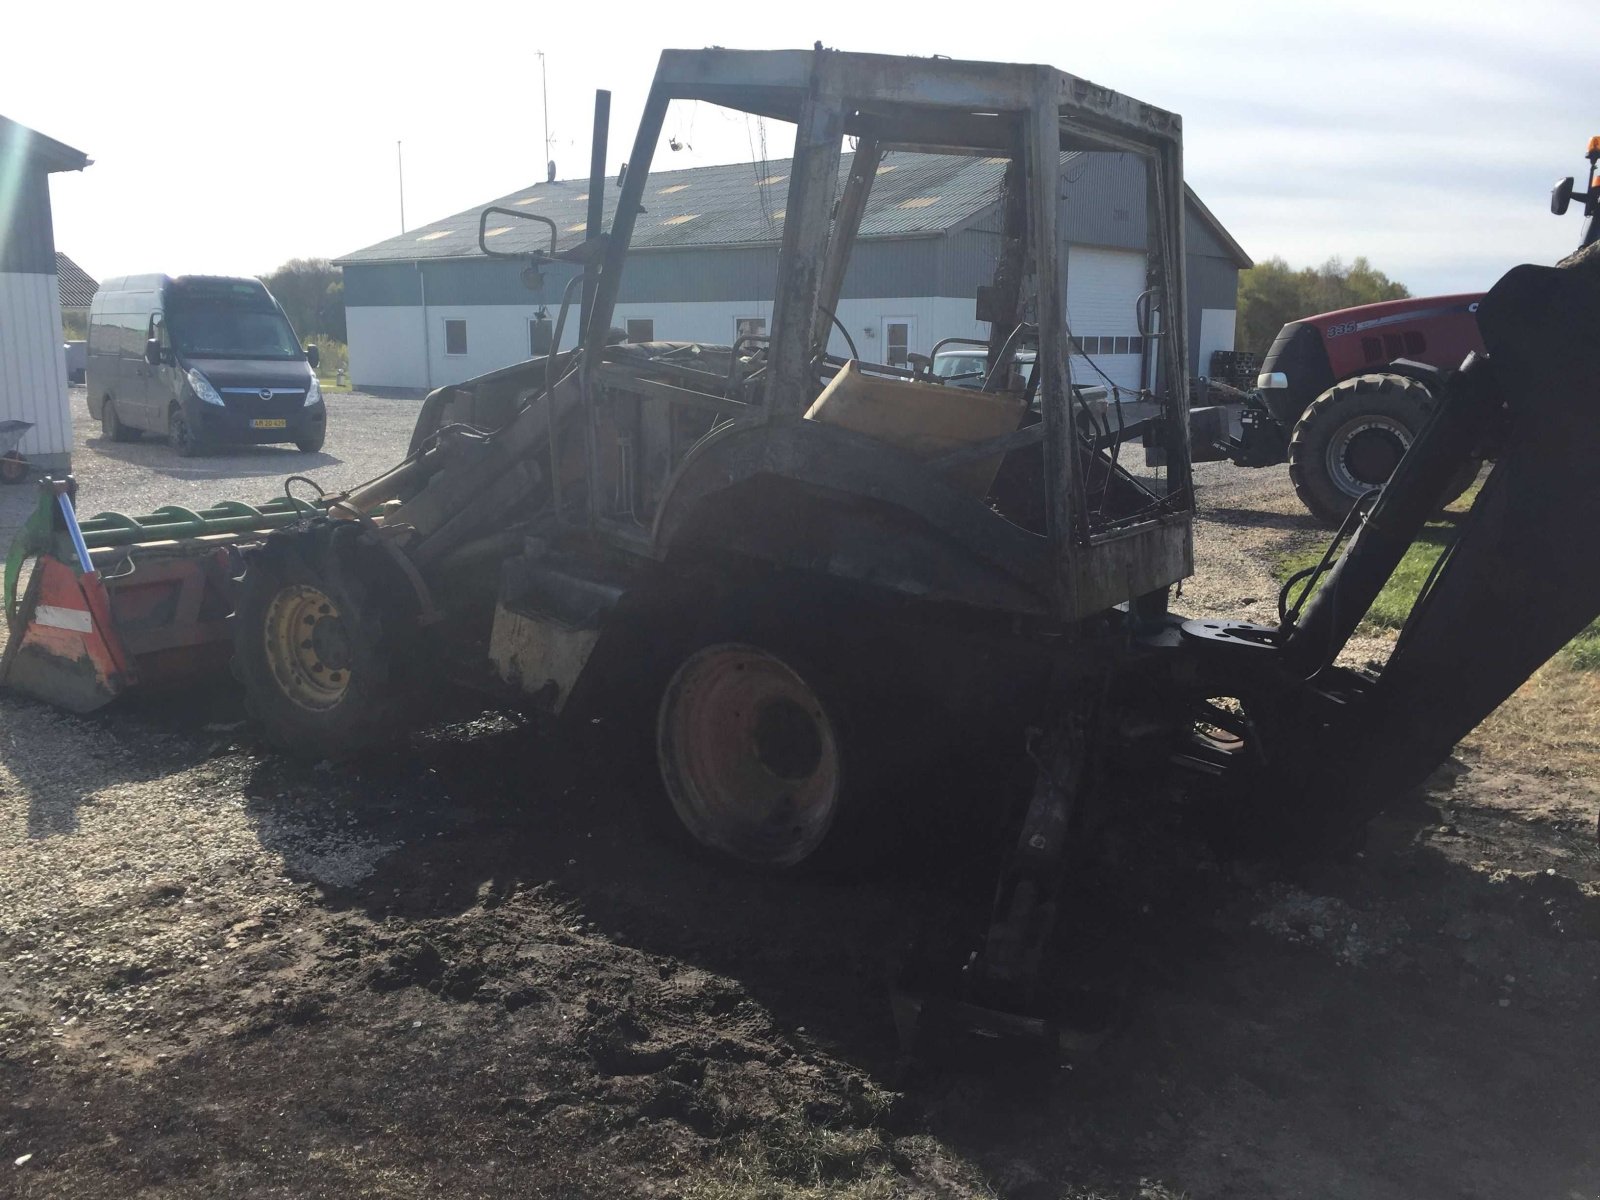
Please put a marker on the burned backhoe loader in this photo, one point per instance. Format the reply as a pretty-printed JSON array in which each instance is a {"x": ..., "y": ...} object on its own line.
[{"x": 772, "y": 549}]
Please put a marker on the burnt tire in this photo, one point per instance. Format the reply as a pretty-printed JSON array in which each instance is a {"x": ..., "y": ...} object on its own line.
[
  {"x": 310, "y": 648},
  {"x": 1351, "y": 438},
  {"x": 752, "y": 756},
  {"x": 780, "y": 738}
]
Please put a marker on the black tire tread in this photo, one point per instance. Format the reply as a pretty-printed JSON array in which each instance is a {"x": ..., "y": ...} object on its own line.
[
  {"x": 374, "y": 714},
  {"x": 1398, "y": 396},
  {"x": 111, "y": 425}
]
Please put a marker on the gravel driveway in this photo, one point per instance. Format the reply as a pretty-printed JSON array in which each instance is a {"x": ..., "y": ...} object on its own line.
[{"x": 366, "y": 436}]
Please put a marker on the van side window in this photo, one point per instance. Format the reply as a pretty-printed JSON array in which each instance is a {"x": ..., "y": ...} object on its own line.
[{"x": 131, "y": 326}]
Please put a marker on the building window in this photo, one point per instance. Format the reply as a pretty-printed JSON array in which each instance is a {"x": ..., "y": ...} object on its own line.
[
  {"x": 744, "y": 327},
  {"x": 1108, "y": 345},
  {"x": 455, "y": 337},
  {"x": 540, "y": 332},
  {"x": 896, "y": 343},
  {"x": 641, "y": 329}
]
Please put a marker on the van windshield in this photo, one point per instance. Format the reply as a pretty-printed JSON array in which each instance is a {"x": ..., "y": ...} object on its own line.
[{"x": 224, "y": 328}]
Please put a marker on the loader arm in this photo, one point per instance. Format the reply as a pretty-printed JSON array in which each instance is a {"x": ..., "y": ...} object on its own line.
[{"x": 1522, "y": 578}]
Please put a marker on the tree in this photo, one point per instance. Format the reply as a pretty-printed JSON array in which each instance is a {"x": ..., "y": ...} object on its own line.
[
  {"x": 311, "y": 291},
  {"x": 1271, "y": 294}
]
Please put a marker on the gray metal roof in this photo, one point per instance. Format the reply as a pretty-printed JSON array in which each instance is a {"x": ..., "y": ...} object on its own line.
[
  {"x": 49, "y": 153},
  {"x": 915, "y": 195},
  {"x": 77, "y": 285}
]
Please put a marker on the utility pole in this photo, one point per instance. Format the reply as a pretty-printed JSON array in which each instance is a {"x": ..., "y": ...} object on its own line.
[
  {"x": 400, "y": 166},
  {"x": 544, "y": 87}
]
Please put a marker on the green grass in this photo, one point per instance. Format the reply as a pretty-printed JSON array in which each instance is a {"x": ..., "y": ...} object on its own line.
[{"x": 1394, "y": 603}]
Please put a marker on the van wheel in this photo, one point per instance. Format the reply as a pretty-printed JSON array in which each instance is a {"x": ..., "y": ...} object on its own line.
[
  {"x": 180, "y": 436},
  {"x": 111, "y": 426},
  {"x": 311, "y": 442}
]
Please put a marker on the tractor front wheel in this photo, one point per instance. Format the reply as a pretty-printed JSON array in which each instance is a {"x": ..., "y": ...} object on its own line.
[
  {"x": 309, "y": 648},
  {"x": 1352, "y": 437}
]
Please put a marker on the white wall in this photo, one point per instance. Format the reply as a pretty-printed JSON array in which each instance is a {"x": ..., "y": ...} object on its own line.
[
  {"x": 386, "y": 347},
  {"x": 33, "y": 375},
  {"x": 386, "y": 342}
]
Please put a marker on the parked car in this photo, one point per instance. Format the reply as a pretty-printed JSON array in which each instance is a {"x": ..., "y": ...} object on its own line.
[
  {"x": 202, "y": 360},
  {"x": 968, "y": 366}
]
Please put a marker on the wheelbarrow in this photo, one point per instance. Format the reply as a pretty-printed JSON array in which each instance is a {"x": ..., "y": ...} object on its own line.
[{"x": 13, "y": 467}]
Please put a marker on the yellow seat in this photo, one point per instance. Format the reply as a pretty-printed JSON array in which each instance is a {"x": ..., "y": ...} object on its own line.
[{"x": 925, "y": 419}]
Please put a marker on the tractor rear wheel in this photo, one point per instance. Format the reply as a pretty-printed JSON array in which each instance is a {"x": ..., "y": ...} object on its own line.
[
  {"x": 310, "y": 649},
  {"x": 784, "y": 733},
  {"x": 1352, "y": 437},
  {"x": 752, "y": 756}
]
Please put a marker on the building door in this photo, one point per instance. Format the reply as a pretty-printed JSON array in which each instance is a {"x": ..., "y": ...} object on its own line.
[
  {"x": 1103, "y": 289},
  {"x": 899, "y": 337}
]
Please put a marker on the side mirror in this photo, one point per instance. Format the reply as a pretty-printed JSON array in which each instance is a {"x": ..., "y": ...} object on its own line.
[
  {"x": 313, "y": 355},
  {"x": 152, "y": 352},
  {"x": 1561, "y": 196}
]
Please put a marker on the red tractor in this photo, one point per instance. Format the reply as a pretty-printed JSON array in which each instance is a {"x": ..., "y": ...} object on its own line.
[{"x": 1342, "y": 395}]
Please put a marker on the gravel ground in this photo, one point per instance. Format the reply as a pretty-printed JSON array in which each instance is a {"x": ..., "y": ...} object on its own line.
[
  {"x": 470, "y": 968},
  {"x": 366, "y": 436}
]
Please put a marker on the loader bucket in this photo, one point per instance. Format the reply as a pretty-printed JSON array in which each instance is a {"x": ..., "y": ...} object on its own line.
[
  {"x": 63, "y": 649},
  {"x": 118, "y": 601}
]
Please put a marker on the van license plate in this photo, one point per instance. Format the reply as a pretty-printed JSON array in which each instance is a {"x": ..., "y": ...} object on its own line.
[{"x": 279, "y": 423}]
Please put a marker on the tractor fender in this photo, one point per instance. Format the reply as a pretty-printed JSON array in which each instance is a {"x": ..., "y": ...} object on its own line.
[{"x": 864, "y": 510}]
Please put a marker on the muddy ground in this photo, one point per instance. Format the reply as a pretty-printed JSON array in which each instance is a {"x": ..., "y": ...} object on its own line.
[{"x": 473, "y": 968}]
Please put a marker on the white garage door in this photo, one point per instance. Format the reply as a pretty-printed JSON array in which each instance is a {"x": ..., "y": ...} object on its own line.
[{"x": 1102, "y": 286}]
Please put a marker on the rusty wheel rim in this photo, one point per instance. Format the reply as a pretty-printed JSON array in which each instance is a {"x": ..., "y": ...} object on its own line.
[
  {"x": 749, "y": 755},
  {"x": 308, "y": 647}
]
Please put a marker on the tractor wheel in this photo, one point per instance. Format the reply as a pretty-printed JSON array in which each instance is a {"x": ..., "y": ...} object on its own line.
[
  {"x": 1352, "y": 437},
  {"x": 752, "y": 756},
  {"x": 111, "y": 426},
  {"x": 784, "y": 738},
  {"x": 310, "y": 649}
]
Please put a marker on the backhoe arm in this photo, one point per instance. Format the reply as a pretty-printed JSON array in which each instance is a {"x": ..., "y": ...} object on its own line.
[{"x": 1523, "y": 577}]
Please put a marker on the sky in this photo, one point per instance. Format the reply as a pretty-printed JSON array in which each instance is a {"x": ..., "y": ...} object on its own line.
[{"x": 229, "y": 138}]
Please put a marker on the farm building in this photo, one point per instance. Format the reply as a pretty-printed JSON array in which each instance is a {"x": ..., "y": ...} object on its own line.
[
  {"x": 429, "y": 308},
  {"x": 77, "y": 291},
  {"x": 33, "y": 379}
]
